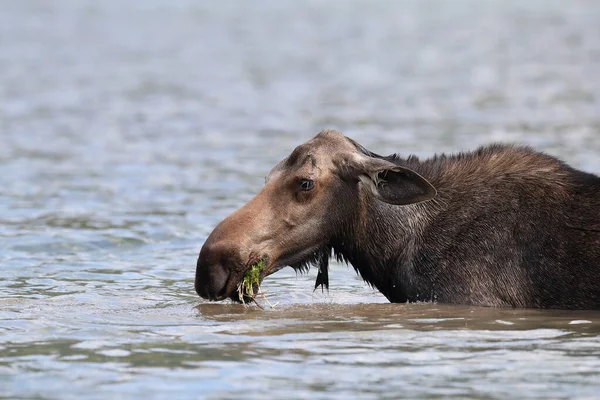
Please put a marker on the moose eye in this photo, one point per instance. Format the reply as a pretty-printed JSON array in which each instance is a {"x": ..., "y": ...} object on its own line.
[{"x": 306, "y": 184}]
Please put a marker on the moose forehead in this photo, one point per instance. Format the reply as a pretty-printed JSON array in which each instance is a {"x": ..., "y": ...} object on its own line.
[{"x": 319, "y": 153}]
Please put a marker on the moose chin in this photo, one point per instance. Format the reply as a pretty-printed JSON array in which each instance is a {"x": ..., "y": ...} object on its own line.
[{"x": 502, "y": 226}]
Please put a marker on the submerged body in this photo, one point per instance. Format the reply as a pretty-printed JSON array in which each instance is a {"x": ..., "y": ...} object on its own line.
[
  {"x": 500, "y": 226},
  {"x": 508, "y": 227}
]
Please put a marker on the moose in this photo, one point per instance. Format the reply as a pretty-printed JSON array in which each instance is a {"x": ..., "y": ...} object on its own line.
[{"x": 501, "y": 226}]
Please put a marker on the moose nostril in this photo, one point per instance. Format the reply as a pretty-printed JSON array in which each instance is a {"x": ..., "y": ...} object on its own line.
[
  {"x": 221, "y": 294},
  {"x": 219, "y": 276},
  {"x": 219, "y": 257},
  {"x": 211, "y": 274}
]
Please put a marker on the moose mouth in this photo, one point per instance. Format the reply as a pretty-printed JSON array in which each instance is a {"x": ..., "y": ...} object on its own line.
[
  {"x": 239, "y": 293},
  {"x": 300, "y": 262}
]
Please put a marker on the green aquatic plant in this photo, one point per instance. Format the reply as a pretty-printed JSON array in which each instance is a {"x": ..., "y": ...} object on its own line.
[{"x": 252, "y": 277}]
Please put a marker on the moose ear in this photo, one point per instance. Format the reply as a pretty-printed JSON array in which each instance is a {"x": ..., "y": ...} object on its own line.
[{"x": 396, "y": 185}]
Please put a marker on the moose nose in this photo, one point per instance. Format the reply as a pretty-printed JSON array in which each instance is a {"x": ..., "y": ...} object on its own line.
[{"x": 212, "y": 273}]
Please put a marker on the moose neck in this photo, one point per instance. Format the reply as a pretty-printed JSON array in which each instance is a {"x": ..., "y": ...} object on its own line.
[{"x": 384, "y": 246}]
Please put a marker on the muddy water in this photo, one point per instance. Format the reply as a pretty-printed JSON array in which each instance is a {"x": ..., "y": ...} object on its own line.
[{"x": 129, "y": 129}]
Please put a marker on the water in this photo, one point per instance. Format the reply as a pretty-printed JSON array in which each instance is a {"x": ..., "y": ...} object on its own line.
[{"x": 129, "y": 129}]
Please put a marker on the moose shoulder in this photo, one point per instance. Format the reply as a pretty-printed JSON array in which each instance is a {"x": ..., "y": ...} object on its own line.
[{"x": 500, "y": 226}]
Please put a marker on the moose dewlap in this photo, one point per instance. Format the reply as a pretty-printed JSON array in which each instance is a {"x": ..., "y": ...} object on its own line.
[{"x": 500, "y": 226}]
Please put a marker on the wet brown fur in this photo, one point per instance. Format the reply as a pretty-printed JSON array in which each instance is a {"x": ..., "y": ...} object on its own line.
[{"x": 508, "y": 227}]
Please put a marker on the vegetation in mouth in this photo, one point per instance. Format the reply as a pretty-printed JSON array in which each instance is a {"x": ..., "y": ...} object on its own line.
[{"x": 252, "y": 277}]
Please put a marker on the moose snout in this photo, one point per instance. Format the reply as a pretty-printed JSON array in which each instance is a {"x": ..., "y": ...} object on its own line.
[
  {"x": 213, "y": 270},
  {"x": 229, "y": 250}
]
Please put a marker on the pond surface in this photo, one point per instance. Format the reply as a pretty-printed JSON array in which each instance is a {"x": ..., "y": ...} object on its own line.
[{"x": 129, "y": 129}]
